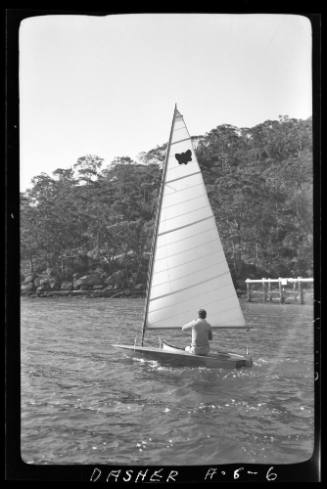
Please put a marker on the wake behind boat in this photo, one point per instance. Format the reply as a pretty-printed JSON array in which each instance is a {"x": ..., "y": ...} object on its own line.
[{"x": 188, "y": 266}]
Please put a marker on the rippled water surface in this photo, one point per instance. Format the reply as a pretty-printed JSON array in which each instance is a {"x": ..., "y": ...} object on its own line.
[{"x": 85, "y": 402}]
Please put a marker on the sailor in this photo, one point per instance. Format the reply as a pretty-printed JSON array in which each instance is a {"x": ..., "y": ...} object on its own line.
[{"x": 201, "y": 334}]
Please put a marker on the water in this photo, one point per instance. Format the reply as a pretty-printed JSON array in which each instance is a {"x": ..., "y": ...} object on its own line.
[{"x": 84, "y": 402}]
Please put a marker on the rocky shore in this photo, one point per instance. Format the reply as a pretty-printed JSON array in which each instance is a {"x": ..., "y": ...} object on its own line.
[{"x": 95, "y": 284}]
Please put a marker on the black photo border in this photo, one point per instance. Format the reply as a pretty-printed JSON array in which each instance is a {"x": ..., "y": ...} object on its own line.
[{"x": 15, "y": 467}]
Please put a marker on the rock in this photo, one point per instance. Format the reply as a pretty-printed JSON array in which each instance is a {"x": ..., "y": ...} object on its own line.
[
  {"x": 88, "y": 280},
  {"x": 44, "y": 283},
  {"x": 109, "y": 288},
  {"x": 95, "y": 293},
  {"x": 54, "y": 293},
  {"x": 27, "y": 288},
  {"x": 36, "y": 281},
  {"x": 115, "y": 278},
  {"x": 78, "y": 282},
  {"x": 66, "y": 285},
  {"x": 50, "y": 272},
  {"x": 40, "y": 291},
  {"x": 127, "y": 292},
  {"x": 98, "y": 271},
  {"x": 139, "y": 286},
  {"x": 97, "y": 287},
  {"x": 106, "y": 292},
  {"x": 117, "y": 294},
  {"x": 29, "y": 278},
  {"x": 54, "y": 283},
  {"x": 95, "y": 279},
  {"x": 84, "y": 287},
  {"x": 76, "y": 278},
  {"x": 108, "y": 280}
]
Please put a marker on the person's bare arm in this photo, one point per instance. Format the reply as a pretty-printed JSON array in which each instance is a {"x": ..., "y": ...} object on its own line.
[
  {"x": 188, "y": 325},
  {"x": 210, "y": 334}
]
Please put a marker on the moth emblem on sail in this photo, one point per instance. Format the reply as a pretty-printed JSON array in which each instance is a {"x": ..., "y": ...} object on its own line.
[{"x": 184, "y": 158}]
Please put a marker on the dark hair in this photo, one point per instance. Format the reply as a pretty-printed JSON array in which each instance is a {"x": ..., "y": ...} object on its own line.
[{"x": 202, "y": 313}]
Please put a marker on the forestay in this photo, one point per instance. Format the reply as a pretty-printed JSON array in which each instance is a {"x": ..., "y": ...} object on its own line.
[{"x": 189, "y": 267}]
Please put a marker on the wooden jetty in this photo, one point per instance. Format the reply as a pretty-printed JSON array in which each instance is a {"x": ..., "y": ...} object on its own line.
[{"x": 277, "y": 289}]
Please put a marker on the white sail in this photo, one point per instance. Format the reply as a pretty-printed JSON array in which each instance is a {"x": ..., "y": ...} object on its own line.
[{"x": 189, "y": 268}]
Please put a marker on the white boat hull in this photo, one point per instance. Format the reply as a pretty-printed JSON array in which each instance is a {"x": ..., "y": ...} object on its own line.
[{"x": 177, "y": 357}]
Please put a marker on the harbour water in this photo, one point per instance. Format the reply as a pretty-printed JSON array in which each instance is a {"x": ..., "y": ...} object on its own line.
[{"x": 85, "y": 402}]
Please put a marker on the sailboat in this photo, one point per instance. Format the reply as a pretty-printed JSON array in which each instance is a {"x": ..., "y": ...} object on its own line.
[{"x": 188, "y": 268}]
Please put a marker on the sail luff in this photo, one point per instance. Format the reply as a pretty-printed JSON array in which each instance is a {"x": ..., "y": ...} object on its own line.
[{"x": 157, "y": 220}]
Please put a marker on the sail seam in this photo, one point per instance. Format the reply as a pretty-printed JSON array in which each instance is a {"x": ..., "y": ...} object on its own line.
[
  {"x": 159, "y": 284},
  {"x": 181, "y": 178},
  {"x": 180, "y": 141},
  {"x": 210, "y": 230},
  {"x": 187, "y": 250},
  {"x": 201, "y": 196},
  {"x": 189, "y": 287},
  {"x": 185, "y": 213},
  {"x": 185, "y": 263},
  {"x": 192, "y": 308},
  {"x": 190, "y": 298},
  {"x": 186, "y": 225},
  {"x": 187, "y": 188}
]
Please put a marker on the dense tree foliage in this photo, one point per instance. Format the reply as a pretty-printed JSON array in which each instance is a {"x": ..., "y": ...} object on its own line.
[{"x": 92, "y": 217}]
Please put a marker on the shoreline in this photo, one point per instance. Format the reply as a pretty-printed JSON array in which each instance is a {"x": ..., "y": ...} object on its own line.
[
  {"x": 86, "y": 293},
  {"x": 132, "y": 294}
]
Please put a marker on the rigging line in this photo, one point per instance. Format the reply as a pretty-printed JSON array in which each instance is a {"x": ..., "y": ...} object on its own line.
[
  {"x": 190, "y": 298},
  {"x": 186, "y": 288},
  {"x": 201, "y": 245},
  {"x": 191, "y": 236},
  {"x": 185, "y": 263},
  {"x": 186, "y": 225},
  {"x": 185, "y": 213},
  {"x": 185, "y": 176}
]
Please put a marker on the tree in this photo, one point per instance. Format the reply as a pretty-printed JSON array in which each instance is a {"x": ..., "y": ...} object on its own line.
[{"x": 259, "y": 182}]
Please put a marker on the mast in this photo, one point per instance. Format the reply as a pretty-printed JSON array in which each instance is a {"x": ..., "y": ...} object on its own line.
[{"x": 154, "y": 240}]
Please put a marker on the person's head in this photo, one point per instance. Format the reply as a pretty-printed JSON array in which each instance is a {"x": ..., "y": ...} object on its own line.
[{"x": 202, "y": 313}]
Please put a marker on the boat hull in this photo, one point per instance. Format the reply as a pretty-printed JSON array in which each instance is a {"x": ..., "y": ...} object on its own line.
[{"x": 177, "y": 357}]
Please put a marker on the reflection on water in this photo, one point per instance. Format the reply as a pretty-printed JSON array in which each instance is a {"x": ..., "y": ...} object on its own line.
[{"x": 84, "y": 401}]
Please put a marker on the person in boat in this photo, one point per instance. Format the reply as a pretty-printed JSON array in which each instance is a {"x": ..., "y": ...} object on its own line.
[{"x": 201, "y": 334}]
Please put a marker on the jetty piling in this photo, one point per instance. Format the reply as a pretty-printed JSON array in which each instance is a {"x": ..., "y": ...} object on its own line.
[{"x": 282, "y": 293}]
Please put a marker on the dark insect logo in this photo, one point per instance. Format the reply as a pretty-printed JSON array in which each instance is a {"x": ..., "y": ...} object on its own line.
[{"x": 184, "y": 157}]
